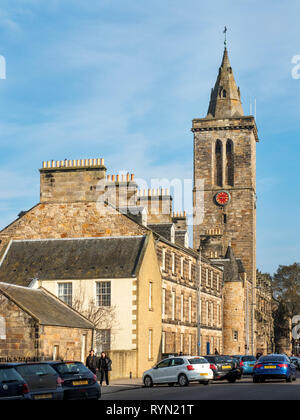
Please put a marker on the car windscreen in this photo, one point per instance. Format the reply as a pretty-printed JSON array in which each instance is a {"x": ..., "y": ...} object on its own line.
[
  {"x": 248, "y": 359},
  {"x": 197, "y": 361},
  {"x": 222, "y": 359},
  {"x": 9, "y": 374},
  {"x": 71, "y": 368},
  {"x": 35, "y": 370},
  {"x": 266, "y": 359}
]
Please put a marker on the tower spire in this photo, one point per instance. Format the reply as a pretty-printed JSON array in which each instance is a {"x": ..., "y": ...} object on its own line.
[{"x": 225, "y": 100}]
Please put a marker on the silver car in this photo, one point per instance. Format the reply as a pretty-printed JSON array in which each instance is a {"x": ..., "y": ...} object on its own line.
[{"x": 181, "y": 370}]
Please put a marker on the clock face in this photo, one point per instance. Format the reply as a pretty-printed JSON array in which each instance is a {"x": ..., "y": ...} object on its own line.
[{"x": 222, "y": 198}]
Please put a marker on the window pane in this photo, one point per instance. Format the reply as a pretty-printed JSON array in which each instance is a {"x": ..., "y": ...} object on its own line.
[
  {"x": 103, "y": 293},
  {"x": 103, "y": 340},
  {"x": 65, "y": 292}
]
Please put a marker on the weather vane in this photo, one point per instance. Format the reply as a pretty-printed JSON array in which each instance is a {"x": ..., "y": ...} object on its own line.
[{"x": 224, "y": 32}]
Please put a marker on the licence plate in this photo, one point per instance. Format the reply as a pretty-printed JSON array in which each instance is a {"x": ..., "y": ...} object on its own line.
[
  {"x": 42, "y": 396},
  {"x": 203, "y": 374},
  {"x": 226, "y": 367},
  {"x": 80, "y": 383},
  {"x": 270, "y": 367}
]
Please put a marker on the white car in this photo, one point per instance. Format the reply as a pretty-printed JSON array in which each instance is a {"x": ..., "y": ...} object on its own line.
[{"x": 181, "y": 370}]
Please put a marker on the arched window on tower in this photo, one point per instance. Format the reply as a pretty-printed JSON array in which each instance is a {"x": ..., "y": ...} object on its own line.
[
  {"x": 229, "y": 163},
  {"x": 224, "y": 93},
  {"x": 218, "y": 162}
]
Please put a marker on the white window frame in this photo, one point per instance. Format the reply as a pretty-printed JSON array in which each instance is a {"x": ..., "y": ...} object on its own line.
[
  {"x": 163, "y": 302},
  {"x": 190, "y": 309},
  {"x": 163, "y": 342},
  {"x": 173, "y": 305},
  {"x": 181, "y": 307},
  {"x": 98, "y": 295},
  {"x": 150, "y": 332},
  {"x": 181, "y": 266},
  {"x": 163, "y": 259},
  {"x": 150, "y": 295},
  {"x": 63, "y": 296},
  {"x": 173, "y": 263}
]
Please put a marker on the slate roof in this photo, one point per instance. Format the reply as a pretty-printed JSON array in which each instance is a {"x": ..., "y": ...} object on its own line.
[
  {"x": 58, "y": 259},
  {"x": 44, "y": 307},
  {"x": 163, "y": 229}
]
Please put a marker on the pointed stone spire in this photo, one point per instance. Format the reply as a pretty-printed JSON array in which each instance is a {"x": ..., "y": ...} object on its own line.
[
  {"x": 225, "y": 100},
  {"x": 231, "y": 268}
]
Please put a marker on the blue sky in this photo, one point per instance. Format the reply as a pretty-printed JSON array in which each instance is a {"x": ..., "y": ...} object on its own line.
[{"x": 123, "y": 80}]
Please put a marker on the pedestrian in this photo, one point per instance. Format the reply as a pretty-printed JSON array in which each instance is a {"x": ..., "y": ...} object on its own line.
[
  {"x": 104, "y": 366},
  {"x": 92, "y": 362},
  {"x": 216, "y": 352}
]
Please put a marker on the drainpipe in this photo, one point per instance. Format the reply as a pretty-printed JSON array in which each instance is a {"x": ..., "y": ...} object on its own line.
[{"x": 198, "y": 279}]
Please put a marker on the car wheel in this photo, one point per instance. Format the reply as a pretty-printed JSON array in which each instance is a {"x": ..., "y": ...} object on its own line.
[
  {"x": 171, "y": 384},
  {"x": 183, "y": 380},
  {"x": 289, "y": 379},
  {"x": 206, "y": 383},
  {"x": 148, "y": 382}
]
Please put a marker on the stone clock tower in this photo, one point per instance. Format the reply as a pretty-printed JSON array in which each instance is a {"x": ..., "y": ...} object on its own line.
[{"x": 225, "y": 181}]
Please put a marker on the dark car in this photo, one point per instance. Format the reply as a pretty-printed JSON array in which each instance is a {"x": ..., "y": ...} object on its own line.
[
  {"x": 224, "y": 368},
  {"x": 12, "y": 385},
  {"x": 296, "y": 361},
  {"x": 43, "y": 381},
  {"x": 239, "y": 365},
  {"x": 78, "y": 381}
]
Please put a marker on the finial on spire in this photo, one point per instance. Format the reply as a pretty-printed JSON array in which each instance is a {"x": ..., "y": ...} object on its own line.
[{"x": 225, "y": 40}]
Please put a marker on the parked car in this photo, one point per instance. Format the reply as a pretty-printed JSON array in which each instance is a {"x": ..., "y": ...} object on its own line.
[
  {"x": 78, "y": 382},
  {"x": 274, "y": 366},
  {"x": 12, "y": 385},
  {"x": 224, "y": 368},
  {"x": 43, "y": 381},
  {"x": 247, "y": 362},
  {"x": 181, "y": 370},
  {"x": 239, "y": 366},
  {"x": 296, "y": 361}
]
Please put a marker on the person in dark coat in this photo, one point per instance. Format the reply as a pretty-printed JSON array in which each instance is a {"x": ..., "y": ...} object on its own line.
[
  {"x": 104, "y": 366},
  {"x": 92, "y": 362}
]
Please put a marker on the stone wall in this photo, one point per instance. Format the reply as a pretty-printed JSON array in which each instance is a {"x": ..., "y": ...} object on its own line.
[
  {"x": 68, "y": 343},
  {"x": 20, "y": 328}
]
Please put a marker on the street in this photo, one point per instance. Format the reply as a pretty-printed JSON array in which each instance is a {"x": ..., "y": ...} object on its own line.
[{"x": 244, "y": 389}]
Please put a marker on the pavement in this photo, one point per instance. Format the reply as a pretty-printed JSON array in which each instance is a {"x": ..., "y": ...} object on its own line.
[{"x": 118, "y": 385}]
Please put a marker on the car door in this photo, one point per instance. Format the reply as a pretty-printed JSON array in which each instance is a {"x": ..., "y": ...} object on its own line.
[
  {"x": 160, "y": 371},
  {"x": 174, "y": 369}
]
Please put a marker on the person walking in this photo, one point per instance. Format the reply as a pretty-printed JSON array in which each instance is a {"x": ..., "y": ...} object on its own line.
[
  {"x": 92, "y": 362},
  {"x": 104, "y": 366}
]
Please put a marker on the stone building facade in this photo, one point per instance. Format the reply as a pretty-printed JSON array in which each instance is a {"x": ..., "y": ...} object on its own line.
[
  {"x": 208, "y": 293},
  {"x": 225, "y": 190},
  {"x": 35, "y": 324}
]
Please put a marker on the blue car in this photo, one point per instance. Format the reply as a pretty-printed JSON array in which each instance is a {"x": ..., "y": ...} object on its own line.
[
  {"x": 247, "y": 363},
  {"x": 274, "y": 366}
]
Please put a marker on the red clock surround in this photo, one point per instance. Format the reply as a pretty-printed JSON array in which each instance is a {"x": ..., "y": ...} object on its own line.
[{"x": 222, "y": 198}]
